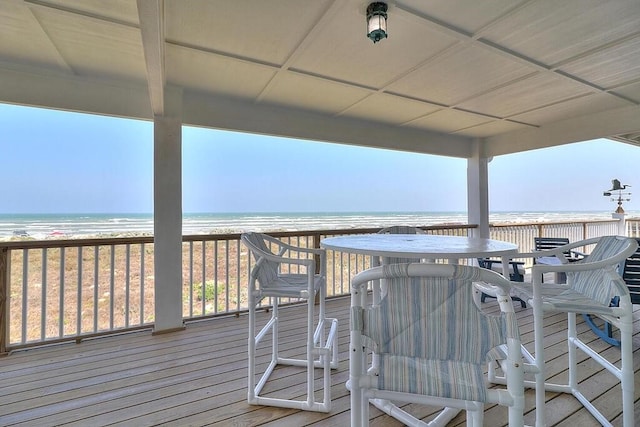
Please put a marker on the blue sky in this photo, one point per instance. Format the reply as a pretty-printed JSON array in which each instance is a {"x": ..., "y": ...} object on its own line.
[{"x": 60, "y": 162}]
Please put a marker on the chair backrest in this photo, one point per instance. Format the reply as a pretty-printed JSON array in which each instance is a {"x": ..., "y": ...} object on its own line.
[
  {"x": 429, "y": 313},
  {"x": 265, "y": 271},
  {"x": 401, "y": 229},
  {"x": 598, "y": 283},
  {"x": 544, "y": 243},
  {"x": 631, "y": 275}
]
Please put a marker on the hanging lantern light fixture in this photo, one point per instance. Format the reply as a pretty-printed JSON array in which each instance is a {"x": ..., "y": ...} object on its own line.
[{"x": 377, "y": 21}]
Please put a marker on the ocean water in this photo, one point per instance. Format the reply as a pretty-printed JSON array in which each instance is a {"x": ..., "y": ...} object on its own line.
[{"x": 41, "y": 226}]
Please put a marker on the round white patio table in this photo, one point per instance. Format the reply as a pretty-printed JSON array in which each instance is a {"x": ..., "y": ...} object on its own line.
[{"x": 420, "y": 246}]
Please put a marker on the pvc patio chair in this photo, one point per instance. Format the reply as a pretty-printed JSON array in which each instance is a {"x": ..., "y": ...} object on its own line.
[
  {"x": 290, "y": 272},
  {"x": 516, "y": 274},
  {"x": 432, "y": 344},
  {"x": 546, "y": 243},
  {"x": 591, "y": 284},
  {"x": 630, "y": 271}
]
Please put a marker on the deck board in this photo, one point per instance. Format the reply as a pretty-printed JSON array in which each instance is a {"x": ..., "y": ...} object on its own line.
[{"x": 197, "y": 377}]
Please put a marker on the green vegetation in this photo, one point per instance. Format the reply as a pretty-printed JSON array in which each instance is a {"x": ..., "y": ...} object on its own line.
[{"x": 210, "y": 290}]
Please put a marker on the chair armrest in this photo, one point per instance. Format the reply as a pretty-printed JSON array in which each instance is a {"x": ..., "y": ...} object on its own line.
[
  {"x": 287, "y": 260},
  {"x": 577, "y": 266},
  {"x": 287, "y": 247},
  {"x": 578, "y": 255},
  {"x": 490, "y": 262}
]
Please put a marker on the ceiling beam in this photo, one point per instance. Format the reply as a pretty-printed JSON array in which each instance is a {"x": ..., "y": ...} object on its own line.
[
  {"x": 603, "y": 124},
  {"x": 47, "y": 88},
  {"x": 262, "y": 118},
  {"x": 151, "y": 14}
]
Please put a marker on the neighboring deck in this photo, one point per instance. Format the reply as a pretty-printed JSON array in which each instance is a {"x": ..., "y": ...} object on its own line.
[{"x": 198, "y": 377}]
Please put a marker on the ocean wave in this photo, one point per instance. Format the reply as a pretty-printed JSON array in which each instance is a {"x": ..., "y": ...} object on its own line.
[{"x": 102, "y": 224}]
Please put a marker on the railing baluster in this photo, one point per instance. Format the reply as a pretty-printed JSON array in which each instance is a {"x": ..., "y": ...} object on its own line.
[
  {"x": 215, "y": 275},
  {"x": 127, "y": 282},
  {"x": 112, "y": 283},
  {"x": 142, "y": 282},
  {"x": 203, "y": 310},
  {"x": 61, "y": 311},
  {"x": 25, "y": 295},
  {"x": 226, "y": 280},
  {"x": 96, "y": 284},
  {"x": 191, "y": 278},
  {"x": 79, "y": 293},
  {"x": 238, "y": 284},
  {"x": 5, "y": 282},
  {"x": 43, "y": 297}
]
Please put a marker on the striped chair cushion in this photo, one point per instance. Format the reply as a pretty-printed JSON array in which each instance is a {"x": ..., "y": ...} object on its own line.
[
  {"x": 443, "y": 378},
  {"x": 431, "y": 336}
]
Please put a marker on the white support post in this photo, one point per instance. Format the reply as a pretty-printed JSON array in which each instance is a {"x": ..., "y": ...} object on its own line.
[
  {"x": 622, "y": 223},
  {"x": 167, "y": 217},
  {"x": 478, "y": 191}
]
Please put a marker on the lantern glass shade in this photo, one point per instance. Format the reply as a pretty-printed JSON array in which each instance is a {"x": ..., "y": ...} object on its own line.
[{"x": 377, "y": 22}]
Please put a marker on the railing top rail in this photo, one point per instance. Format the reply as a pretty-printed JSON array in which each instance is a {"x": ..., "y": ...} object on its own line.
[
  {"x": 59, "y": 243},
  {"x": 323, "y": 232},
  {"x": 538, "y": 224},
  {"x": 103, "y": 241}
]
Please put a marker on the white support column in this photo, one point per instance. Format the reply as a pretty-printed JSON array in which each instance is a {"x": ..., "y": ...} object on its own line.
[
  {"x": 622, "y": 223},
  {"x": 167, "y": 216},
  {"x": 478, "y": 191}
]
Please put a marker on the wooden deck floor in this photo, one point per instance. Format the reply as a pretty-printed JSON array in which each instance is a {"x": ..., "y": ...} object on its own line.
[{"x": 197, "y": 377}]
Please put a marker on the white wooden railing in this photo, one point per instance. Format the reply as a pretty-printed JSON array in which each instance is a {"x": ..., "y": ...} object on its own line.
[
  {"x": 523, "y": 234},
  {"x": 60, "y": 290}
]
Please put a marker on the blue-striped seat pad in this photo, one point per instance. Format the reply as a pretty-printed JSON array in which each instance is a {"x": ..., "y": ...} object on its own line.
[{"x": 443, "y": 378}]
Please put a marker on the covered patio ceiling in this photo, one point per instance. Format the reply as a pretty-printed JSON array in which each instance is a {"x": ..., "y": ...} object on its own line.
[{"x": 511, "y": 75}]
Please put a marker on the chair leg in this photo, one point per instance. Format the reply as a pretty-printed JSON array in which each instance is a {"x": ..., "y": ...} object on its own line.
[
  {"x": 475, "y": 418},
  {"x": 627, "y": 372},
  {"x": 275, "y": 330},
  {"x": 310, "y": 355},
  {"x": 538, "y": 325},
  {"x": 321, "y": 352},
  {"x": 251, "y": 376},
  {"x": 572, "y": 335},
  {"x": 359, "y": 413},
  {"x": 254, "y": 387}
]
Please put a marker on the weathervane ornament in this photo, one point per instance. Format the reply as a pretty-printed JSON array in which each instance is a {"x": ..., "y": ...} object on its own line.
[{"x": 621, "y": 189}]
